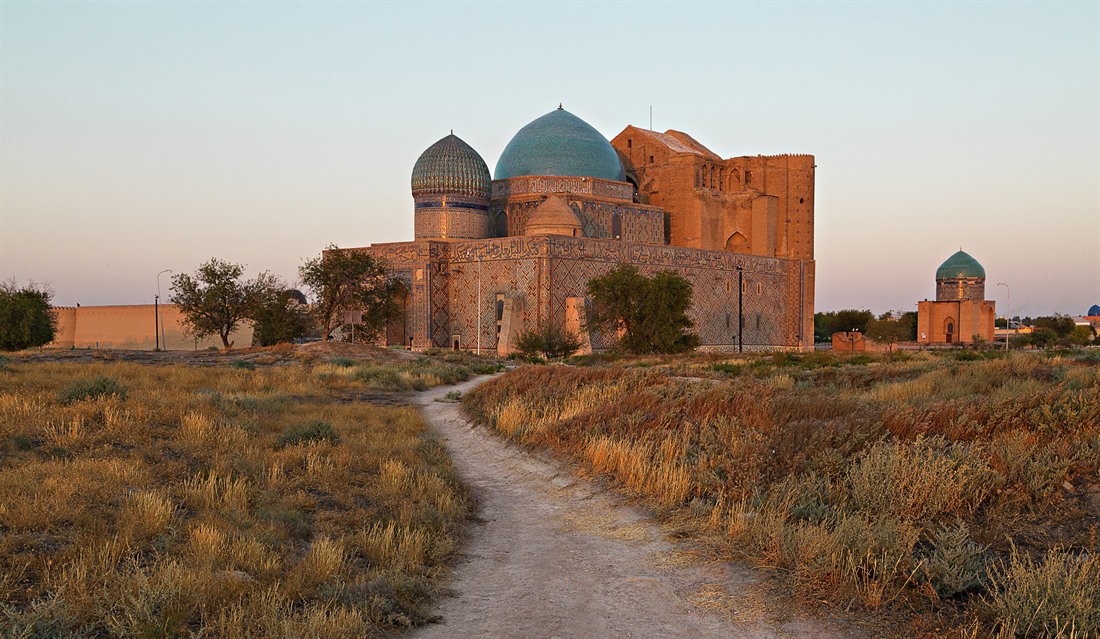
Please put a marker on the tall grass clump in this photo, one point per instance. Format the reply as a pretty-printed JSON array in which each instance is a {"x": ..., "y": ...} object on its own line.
[
  {"x": 905, "y": 483},
  {"x": 92, "y": 389},
  {"x": 1054, "y": 595},
  {"x": 314, "y": 431}
]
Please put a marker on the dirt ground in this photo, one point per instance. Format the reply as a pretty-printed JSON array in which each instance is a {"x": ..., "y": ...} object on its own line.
[
  {"x": 554, "y": 556},
  {"x": 283, "y": 354}
]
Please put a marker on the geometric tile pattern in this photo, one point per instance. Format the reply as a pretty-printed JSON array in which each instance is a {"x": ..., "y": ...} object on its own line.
[{"x": 543, "y": 271}]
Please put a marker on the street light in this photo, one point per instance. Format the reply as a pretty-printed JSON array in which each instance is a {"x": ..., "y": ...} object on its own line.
[
  {"x": 1008, "y": 313},
  {"x": 157, "y": 321},
  {"x": 740, "y": 311},
  {"x": 479, "y": 305}
]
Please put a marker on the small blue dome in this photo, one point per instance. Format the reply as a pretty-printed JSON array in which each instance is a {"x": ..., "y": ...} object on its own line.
[
  {"x": 1094, "y": 310},
  {"x": 959, "y": 265},
  {"x": 560, "y": 143},
  {"x": 451, "y": 167}
]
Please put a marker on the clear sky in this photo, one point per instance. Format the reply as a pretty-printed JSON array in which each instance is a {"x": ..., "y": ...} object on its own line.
[{"x": 137, "y": 137}]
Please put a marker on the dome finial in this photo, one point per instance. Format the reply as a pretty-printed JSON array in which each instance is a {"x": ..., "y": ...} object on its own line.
[
  {"x": 452, "y": 131},
  {"x": 559, "y": 107}
]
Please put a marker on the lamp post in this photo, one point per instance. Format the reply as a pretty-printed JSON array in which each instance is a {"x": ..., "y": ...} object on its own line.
[
  {"x": 1008, "y": 313},
  {"x": 478, "y": 305},
  {"x": 156, "y": 315},
  {"x": 740, "y": 310}
]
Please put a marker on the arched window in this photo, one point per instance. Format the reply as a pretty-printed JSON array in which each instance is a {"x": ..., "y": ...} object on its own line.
[{"x": 735, "y": 177}]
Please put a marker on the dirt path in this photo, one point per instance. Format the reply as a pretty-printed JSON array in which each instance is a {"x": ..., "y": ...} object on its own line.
[{"x": 553, "y": 556}]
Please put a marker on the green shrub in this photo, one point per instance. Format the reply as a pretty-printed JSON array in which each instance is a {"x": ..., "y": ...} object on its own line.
[
  {"x": 244, "y": 365},
  {"x": 94, "y": 388},
  {"x": 953, "y": 562},
  {"x": 966, "y": 356},
  {"x": 726, "y": 368},
  {"x": 1056, "y": 596},
  {"x": 549, "y": 341},
  {"x": 342, "y": 362},
  {"x": 315, "y": 431}
]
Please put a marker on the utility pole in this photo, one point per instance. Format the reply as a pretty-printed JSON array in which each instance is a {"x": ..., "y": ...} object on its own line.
[
  {"x": 1008, "y": 313},
  {"x": 478, "y": 305},
  {"x": 156, "y": 321},
  {"x": 161, "y": 339},
  {"x": 740, "y": 310}
]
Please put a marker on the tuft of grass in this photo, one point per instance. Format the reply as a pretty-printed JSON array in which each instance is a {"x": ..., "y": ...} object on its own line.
[
  {"x": 244, "y": 364},
  {"x": 97, "y": 387},
  {"x": 315, "y": 431},
  {"x": 1057, "y": 595}
]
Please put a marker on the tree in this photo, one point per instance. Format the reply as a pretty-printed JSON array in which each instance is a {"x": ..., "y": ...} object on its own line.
[
  {"x": 829, "y": 322},
  {"x": 550, "y": 342},
  {"x": 1060, "y": 325},
  {"x": 348, "y": 280},
  {"x": 1081, "y": 335},
  {"x": 649, "y": 313},
  {"x": 280, "y": 319},
  {"x": 214, "y": 301},
  {"x": 909, "y": 318},
  {"x": 888, "y": 330},
  {"x": 26, "y": 319}
]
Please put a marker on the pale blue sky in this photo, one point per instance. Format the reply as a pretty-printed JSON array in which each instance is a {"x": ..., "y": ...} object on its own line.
[{"x": 138, "y": 137}]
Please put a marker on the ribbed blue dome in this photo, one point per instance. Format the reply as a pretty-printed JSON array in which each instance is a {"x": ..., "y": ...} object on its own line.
[
  {"x": 560, "y": 143},
  {"x": 959, "y": 265},
  {"x": 451, "y": 167},
  {"x": 1094, "y": 310}
]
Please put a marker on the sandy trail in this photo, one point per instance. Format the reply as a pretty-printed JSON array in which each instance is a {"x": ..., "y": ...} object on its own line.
[{"x": 554, "y": 556}]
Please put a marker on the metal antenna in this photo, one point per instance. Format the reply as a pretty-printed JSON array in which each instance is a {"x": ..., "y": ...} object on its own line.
[{"x": 651, "y": 117}]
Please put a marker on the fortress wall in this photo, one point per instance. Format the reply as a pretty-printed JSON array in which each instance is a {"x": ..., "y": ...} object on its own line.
[{"x": 132, "y": 327}]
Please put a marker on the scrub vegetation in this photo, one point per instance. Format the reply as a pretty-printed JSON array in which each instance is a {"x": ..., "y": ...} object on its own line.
[
  {"x": 162, "y": 501},
  {"x": 953, "y": 494}
]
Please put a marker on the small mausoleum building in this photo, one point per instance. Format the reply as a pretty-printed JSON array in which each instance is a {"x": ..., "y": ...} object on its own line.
[
  {"x": 960, "y": 314},
  {"x": 493, "y": 256}
]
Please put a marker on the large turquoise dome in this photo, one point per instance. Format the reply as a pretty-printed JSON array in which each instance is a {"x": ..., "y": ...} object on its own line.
[
  {"x": 959, "y": 265},
  {"x": 560, "y": 143},
  {"x": 451, "y": 167}
]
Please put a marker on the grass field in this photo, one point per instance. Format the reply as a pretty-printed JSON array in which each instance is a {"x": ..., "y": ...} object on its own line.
[
  {"x": 951, "y": 494},
  {"x": 230, "y": 501}
]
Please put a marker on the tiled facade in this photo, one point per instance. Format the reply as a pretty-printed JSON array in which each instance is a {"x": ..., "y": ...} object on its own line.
[{"x": 544, "y": 271}]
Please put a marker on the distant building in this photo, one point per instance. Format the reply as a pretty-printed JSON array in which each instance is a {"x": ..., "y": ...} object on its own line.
[
  {"x": 960, "y": 314},
  {"x": 1092, "y": 318},
  {"x": 493, "y": 256}
]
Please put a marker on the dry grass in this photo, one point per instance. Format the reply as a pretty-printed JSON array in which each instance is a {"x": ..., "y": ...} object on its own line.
[
  {"x": 208, "y": 502},
  {"x": 913, "y": 482}
]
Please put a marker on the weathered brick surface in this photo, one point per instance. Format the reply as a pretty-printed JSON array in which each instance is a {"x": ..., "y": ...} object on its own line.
[{"x": 716, "y": 222}]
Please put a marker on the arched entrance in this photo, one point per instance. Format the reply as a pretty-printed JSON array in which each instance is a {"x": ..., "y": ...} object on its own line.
[
  {"x": 949, "y": 330},
  {"x": 737, "y": 243}
]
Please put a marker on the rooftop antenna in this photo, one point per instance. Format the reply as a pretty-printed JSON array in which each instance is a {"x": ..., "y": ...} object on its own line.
[{"x": 651, "y": 117}]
